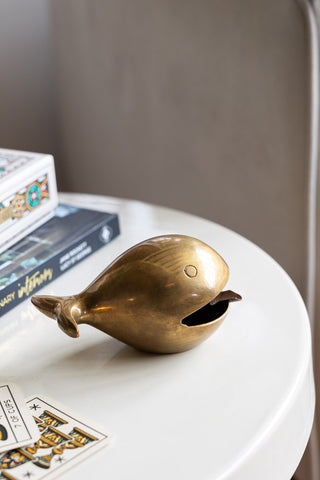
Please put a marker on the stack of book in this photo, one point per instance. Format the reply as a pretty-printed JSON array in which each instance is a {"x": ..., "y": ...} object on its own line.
[{"x": 39, "y": 238}]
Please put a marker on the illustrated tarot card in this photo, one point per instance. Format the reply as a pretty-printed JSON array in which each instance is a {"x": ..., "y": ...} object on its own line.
[{"x": 65, "y": 440}]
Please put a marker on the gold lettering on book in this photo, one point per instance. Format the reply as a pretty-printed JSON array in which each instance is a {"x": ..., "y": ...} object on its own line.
[
  {"x": 36, "y": 280},
  {"x": 7, "y": 299}
]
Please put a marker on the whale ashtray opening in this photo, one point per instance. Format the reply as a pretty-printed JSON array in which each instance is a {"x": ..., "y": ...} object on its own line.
[
  {"x": 206, "y": 314},
  {"x": 213, "y": 310}
]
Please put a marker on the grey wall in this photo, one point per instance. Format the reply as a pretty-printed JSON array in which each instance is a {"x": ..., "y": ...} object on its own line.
[
  {"x": 200, "y": 106},
  {"x": 26, "y": 76}
]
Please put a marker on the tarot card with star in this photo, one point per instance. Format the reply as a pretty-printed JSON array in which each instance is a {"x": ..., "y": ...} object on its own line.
[{"x": 65, "y": 440}]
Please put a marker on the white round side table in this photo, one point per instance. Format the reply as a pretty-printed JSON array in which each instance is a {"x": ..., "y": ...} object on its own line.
[{"x": 238, "y": 407}]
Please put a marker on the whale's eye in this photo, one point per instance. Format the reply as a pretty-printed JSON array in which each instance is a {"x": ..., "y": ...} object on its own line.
[{"x": 190, "y": 271}]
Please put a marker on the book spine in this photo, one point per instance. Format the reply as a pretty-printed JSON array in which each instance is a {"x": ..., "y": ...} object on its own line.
[{"x": 48, "y": 271}]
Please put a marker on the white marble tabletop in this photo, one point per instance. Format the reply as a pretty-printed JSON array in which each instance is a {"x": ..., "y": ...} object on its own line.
[{"x": 238, "y": 407}]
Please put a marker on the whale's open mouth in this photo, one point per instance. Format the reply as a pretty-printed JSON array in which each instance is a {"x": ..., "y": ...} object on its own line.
[{"x": 213, "y": 310}]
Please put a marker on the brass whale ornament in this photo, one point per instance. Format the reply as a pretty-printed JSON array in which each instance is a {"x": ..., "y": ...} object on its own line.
[{"x": 163, "y": 295}]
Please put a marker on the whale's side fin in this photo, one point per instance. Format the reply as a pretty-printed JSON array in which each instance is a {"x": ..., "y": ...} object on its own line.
[
  {"x": 57, "y": 308},
  {"x": 67, "y": 324}
]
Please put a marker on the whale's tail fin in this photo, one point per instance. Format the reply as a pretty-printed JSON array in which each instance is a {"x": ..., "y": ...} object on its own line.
[{"x": 57, "y": 308}]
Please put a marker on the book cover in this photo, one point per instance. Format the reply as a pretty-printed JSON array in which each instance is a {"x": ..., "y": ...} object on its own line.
[
  {"x": 55, "y": 247},
  {"x": 28, "y": 193}
]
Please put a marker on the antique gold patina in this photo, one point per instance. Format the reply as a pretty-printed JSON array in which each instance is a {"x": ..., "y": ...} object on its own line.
[{"x": 163, "y": 295}]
